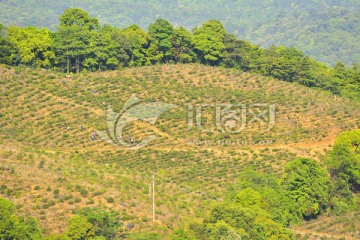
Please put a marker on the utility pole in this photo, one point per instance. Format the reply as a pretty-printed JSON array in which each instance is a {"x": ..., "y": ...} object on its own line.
[
  {"x": 153, "y": 188},
  {"x": 153, "y": 196}
]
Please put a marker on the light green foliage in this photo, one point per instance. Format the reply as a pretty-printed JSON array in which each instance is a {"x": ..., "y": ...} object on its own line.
[
  {"x": 307, "y": 184},
  {"x": 182, "y": 234},
  {"x": 209, "y": 42},
  {"x": 248, "y": 198},
  {"x": 222, "y": 230},
  {"x": 33, "y": 44},
  {"x": 261, "y": 206},
  {"x": 109, "y": 49},
  {"x": 144, "y": 236},
  {"x": 14, "y": 227},
  {"x": 246, "y": 215},
  {"x": 345, "y": 159},
  {"x": 56, "y": 237},
  {"x": 248, "y": 223},
  {"x": 80, "y": 229},
  {"x": 274, "y": 198}
]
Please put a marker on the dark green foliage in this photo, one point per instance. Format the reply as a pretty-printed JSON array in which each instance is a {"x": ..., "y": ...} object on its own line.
[
  {"x": 105, "y": 223},
  {"x": 73, "y": 38},
  {"x": 182, "y": 45},
  {"x": 139, "y": 40},
  {"x": 238, "y": 54},
  {"x": 7, "y": 48},
  {"x": 160, "y": 33}
]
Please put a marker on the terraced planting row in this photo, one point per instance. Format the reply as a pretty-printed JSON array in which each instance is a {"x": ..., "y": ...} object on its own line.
[
  {"x": 84, "y": 100},
  {"x": 38, "y": 107}
]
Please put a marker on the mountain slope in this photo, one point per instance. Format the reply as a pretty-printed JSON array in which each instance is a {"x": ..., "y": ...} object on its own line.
[{"x": 193, "y": 168}]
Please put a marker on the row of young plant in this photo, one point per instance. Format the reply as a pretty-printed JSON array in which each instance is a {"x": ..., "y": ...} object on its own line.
[{"x": 80, "y": 44}]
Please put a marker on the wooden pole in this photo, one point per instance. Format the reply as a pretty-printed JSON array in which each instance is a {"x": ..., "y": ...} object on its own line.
[{"x": 153, "y": 195}]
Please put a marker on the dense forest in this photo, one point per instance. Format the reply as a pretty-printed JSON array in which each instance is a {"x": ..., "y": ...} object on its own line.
[
  {"x": 80, "y": 44},
  {"x": 326, "y": 30}
]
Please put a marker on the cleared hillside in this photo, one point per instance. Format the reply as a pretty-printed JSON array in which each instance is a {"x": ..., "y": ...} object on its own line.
[{"x": 49, "y": 170}]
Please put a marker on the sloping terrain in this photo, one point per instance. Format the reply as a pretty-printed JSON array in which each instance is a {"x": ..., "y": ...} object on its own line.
[{"x": 49, "y": 166}]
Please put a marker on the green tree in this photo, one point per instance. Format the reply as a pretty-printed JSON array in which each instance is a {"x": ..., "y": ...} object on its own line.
[
  {"x": 105, "y": 223},
  {"x": 80, "y": 229},
  {"x": 237, "y": 53},
  {"x": 248, "y": 198},
  {"x": 34, "y": 45},
  {"x": 14, "y": 227},
  {"x": 160, "y": 33},
  {"x": 228, "y": 220},
  {"x": 7, "y": 48},
  {"x": 182, "y": 48},
  {"x": 307, "y": 184},
  {"x": 140, "y": 41},
  {"x": 274, "y": 198},
  {"x": 209, "y": 42},
  {"x": 108, "y": 49},
  {"x": 73, "y": 38},
  {"x": 344, "y": 164}
]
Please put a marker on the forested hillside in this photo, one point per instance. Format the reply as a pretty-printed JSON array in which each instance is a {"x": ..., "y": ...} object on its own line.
[
  {"x": 326, "y": 30},
  {"x": 80, "y": 44}
]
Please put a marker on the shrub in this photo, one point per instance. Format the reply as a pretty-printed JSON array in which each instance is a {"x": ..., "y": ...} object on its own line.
[{"x": 106, "y": 223}]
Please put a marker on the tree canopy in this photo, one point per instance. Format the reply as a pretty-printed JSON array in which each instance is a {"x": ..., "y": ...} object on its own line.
[
  {"x": 14, "y": 227},
  {"x": 81, "y": 44},
  {"x": 326, "y": 30}
]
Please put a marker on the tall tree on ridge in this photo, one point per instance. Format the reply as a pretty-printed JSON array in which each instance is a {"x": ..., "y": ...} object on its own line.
[
  {"x": 139, "y": 40},
  {"x": 73, "y": 37},
  {"x": 160, "y": 48},
  {"x": 209, "y": 42},
  {"x": 182, "y": 47}
]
